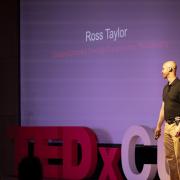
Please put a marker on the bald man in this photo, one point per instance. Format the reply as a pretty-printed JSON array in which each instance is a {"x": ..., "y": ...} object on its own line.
[{"x": 170, "y": 113}]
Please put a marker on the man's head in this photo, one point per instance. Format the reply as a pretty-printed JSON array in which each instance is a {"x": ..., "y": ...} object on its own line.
[{"x": 169, "y": 69}]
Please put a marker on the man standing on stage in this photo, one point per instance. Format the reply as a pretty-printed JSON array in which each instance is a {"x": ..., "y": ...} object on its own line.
[{"x": 170, "y": 113}]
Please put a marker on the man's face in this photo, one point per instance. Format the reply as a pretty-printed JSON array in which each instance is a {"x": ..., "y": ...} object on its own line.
[{"x": 165, "y": 71}]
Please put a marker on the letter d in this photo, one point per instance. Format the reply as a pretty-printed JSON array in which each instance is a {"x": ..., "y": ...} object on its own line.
[{"x": 72, "y": 137}]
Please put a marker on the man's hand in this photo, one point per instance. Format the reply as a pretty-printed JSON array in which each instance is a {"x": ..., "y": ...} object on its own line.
[
  {"x": 177, "y": 133},
  {"x": 157, "y": 133}
]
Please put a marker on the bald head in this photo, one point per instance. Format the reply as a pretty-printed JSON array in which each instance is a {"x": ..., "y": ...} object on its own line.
[
  {"x": 171, "y": 65},
  {"x": 169, "y": 70}
]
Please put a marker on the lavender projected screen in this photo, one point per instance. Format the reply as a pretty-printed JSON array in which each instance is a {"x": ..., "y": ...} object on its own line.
[{"x": 96, "y": 63}]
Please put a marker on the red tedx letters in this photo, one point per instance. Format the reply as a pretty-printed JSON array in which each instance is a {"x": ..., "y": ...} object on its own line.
[{"x": 71, "y": 138}]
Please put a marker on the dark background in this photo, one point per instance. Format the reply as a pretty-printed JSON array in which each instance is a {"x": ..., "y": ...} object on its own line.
[{"x": 9, "y": 68}]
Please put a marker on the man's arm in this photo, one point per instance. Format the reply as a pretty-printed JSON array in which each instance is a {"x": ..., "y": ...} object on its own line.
[{"x": 160, "y": 121}]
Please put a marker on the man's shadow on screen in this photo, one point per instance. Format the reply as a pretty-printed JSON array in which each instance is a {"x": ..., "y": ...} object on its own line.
[{"x": 30, "y": 167}]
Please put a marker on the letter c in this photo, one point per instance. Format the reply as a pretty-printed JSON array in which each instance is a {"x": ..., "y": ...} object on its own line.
[{"x": 128, "y": 153}]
